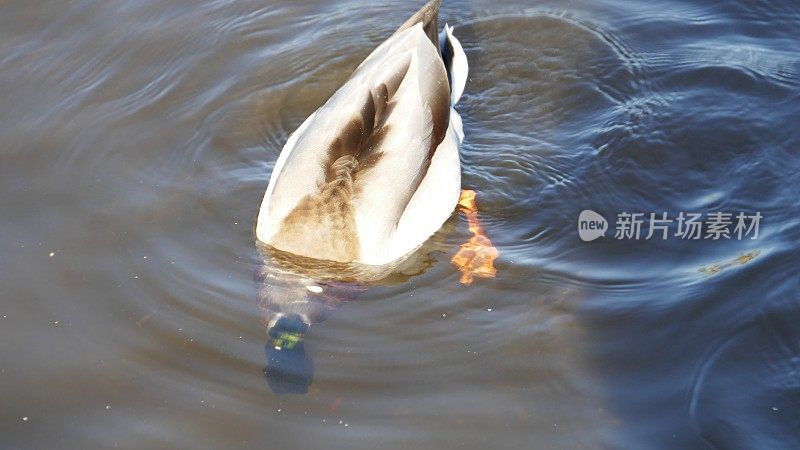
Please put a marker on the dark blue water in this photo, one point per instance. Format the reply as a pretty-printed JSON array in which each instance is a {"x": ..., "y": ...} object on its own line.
[{"x": 136, "y": 141}]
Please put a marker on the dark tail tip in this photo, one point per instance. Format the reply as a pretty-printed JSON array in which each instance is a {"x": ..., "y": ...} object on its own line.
[
  {"x": 428, "y": 15},
  {"x": 289, "y": 370}
]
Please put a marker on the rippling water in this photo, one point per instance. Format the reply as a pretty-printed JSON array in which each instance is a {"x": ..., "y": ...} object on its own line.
[{"x": 136, "y": 141}]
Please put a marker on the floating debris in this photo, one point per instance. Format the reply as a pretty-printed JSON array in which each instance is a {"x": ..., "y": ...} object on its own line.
[{"x": 738, "y": 261}]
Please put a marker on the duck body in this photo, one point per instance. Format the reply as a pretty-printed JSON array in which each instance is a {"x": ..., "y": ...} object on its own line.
[{"x": 375, "y": 171}]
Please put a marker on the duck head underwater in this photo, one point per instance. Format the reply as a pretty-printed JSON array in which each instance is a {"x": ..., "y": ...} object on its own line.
[{"x": 290, "y": 303}]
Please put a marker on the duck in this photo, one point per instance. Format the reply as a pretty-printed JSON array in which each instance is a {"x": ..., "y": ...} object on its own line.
[{"x": 375, "y": 171}]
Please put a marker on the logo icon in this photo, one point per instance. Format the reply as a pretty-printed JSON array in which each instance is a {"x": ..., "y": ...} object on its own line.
[{"x": 591, "y": 225}]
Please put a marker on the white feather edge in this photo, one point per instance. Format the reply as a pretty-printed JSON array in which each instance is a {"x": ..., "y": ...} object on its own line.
[
  {"x": 264, "y": 231},
  {"x": 432, "y": 203},
  {"x": 460, "y": 67}
]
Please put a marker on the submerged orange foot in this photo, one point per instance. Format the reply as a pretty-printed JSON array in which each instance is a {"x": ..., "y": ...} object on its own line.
[{"x": 476, "y": 257}]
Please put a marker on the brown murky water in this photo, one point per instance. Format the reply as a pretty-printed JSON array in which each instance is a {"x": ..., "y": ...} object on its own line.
[{"x": 136, "y": 141}]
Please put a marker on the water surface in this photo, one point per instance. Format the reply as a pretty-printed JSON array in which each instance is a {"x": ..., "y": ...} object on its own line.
[{"x": 136, "y": 141}]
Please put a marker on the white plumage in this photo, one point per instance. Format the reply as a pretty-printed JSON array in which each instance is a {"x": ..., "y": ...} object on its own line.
[{"x": 375, "y": 171}]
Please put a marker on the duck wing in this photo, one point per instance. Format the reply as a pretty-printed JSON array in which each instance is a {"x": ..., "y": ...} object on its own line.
[{"x": 346, "y": 176}]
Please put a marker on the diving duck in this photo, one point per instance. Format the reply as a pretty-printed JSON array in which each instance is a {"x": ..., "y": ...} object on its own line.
[{"x": 375, "y": 171}]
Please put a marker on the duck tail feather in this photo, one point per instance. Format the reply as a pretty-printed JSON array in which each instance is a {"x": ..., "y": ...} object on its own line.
[{"x": 428, "y": 15}]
